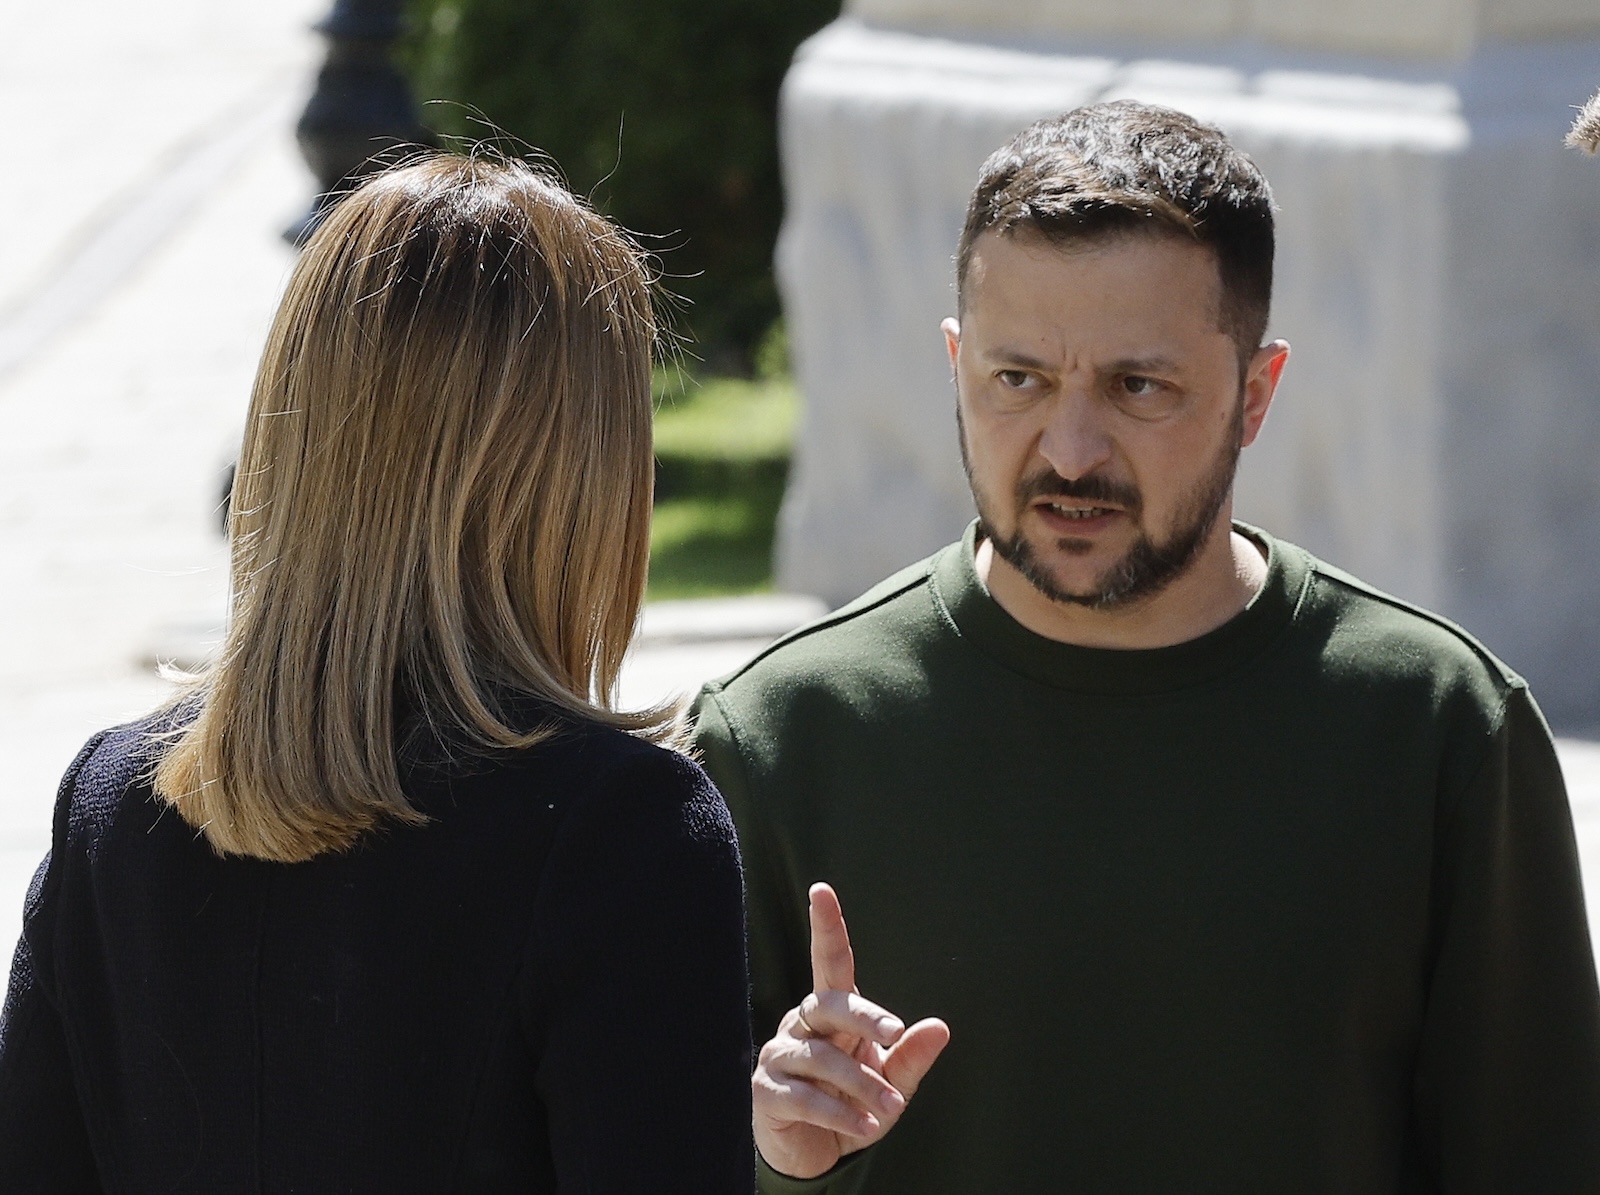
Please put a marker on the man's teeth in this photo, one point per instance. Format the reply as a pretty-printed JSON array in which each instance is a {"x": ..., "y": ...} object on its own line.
[{"x": 1080, "y": 512}]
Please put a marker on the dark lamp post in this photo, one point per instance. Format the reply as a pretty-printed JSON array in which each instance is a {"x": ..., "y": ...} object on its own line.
[{"x": 362, "y": 105}]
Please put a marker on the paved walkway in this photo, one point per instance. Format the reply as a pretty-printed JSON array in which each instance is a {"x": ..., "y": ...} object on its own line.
[{"x": 139, "y": 264}]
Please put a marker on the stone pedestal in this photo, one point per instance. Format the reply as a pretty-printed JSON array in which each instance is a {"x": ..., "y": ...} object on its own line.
[{"x": 1438, "y": 430}]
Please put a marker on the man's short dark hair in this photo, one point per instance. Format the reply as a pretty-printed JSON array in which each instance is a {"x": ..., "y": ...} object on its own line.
[{"x": 1125, "y": 167}]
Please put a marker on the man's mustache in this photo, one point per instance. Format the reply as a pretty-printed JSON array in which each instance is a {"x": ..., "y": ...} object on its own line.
[{"x": 1090, "y": 488}]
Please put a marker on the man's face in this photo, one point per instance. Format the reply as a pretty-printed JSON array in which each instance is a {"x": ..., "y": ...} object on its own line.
[{"x": 1101, "y": 409}]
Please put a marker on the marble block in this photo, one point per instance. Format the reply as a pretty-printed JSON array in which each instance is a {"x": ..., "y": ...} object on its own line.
[
  {"x": 1413, "y": 28},
  {"x": 1438, "y": 430}
]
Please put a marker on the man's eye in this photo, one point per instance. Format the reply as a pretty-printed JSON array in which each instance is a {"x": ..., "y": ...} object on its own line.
[
  {"x": 1145, "y": 398},
  {"x": 1013, "y": 379}
]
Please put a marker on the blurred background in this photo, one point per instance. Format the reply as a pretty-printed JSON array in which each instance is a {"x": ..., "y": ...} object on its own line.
[{"x": 1439, "y": 277}]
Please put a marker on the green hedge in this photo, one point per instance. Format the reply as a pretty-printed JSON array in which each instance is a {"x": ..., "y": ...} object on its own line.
[
  {"x": 722, "y": 457},
  {"x": 663, "y": 111}
]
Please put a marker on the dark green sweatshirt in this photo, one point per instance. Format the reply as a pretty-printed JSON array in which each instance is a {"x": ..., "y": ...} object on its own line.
[{"x": 1292, "y": 907}]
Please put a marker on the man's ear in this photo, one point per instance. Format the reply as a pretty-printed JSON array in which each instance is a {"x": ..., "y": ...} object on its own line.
[
  {"x": 952, "y": 339},
  {"x": 1260, "y": 384}
]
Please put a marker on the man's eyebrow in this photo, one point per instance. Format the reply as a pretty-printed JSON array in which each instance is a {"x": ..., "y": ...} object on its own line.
[
  {"x": 1152, "y": 364},
  {"x": 1009, "y": 356}
]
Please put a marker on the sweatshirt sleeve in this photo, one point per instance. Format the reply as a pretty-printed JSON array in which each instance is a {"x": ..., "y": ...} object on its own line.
[
  {"x": 847, "y": 1178},
  {"x": 779, "y": 932},
  {"x": 639, "y": 987},
  {"x": 780, "y": 949},
  {"x": 1507, "y": 1085}
]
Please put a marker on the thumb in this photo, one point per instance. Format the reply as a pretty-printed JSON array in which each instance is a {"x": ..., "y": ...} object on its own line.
[{"x": 917, "y": 1050}]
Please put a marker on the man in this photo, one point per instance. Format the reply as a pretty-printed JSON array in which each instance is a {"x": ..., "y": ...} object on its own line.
[{"x": 1227, "y": 872}]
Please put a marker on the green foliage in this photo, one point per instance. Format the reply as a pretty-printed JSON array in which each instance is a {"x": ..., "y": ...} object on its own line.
[
  {"x": 704, "y": 547},
  {"x": 724, "y": 419},
  {"x": 722, "y": 458},
  {"x": 662, "y": 111}
]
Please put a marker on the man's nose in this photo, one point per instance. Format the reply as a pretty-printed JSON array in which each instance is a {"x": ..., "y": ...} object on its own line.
[{"x": 1075, "y": 441}]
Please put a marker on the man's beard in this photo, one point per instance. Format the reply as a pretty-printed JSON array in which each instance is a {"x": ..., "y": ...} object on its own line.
[{"x": 1148, "y": 567}]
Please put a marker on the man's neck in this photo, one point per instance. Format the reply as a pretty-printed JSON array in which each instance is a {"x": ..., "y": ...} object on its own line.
[{"x": 1229, "y": 571}]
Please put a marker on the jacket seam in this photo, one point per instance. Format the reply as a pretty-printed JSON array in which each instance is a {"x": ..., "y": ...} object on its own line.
[
  {"x": 827, "y": 621},
  {"x": 1452, "y": 802},
  {"x": 1505, "y": 677}
]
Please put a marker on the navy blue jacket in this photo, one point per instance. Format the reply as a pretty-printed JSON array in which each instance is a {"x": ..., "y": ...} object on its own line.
[{"x": 544, "y": 989}]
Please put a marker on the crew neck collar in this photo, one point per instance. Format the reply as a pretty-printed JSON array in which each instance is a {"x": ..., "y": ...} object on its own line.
[{"x": 978, "y": 618}]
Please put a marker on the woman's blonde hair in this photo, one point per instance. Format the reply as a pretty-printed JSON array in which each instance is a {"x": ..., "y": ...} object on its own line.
[{"x": 442, "y": 504}]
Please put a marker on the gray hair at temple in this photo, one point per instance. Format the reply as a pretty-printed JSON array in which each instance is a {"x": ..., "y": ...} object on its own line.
[{"x": 1120, "y": 168}]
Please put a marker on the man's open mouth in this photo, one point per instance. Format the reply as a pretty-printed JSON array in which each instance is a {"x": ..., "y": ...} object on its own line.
[{"x": 1081, "y": 512}]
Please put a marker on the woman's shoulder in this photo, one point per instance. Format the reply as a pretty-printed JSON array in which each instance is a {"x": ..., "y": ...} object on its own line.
[
  {"x": 104, "y": 797},
  {"x": 619, "y": 772},
  {"x": 565, "y": 743},
  {"x": 115, "y": 763},
  {"x": 609, "y": 752},
  {"x": 579, "y": 771}
]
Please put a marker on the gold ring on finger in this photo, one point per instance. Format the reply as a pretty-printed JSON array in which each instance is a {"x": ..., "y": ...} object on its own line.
[{"x": 800, "y": 1015}]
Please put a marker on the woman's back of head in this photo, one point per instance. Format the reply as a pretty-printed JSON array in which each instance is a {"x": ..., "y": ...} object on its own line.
[{"x": 442, "y": 502}]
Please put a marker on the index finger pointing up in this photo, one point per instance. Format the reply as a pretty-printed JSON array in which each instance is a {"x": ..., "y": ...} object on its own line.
[{"x": 833, "y": 963}]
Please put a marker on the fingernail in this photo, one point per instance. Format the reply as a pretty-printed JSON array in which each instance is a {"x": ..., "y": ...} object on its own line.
[
  {"x": 892, "y": 1100},
  {"x": 891, "y": 1026}
]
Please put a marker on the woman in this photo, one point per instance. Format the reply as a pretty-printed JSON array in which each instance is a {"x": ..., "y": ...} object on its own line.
[{"x": 391, "y": 898}]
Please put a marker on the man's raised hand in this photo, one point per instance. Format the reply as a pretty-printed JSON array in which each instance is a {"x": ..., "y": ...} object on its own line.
[{"x": 840, "y": 1070}]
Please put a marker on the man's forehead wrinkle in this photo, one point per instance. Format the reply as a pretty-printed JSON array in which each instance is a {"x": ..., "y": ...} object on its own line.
[
  {"x": 1153, "y": 363},
  {"x": 1010, "y": 355},
  {"x": 1074, "y": 359}
]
